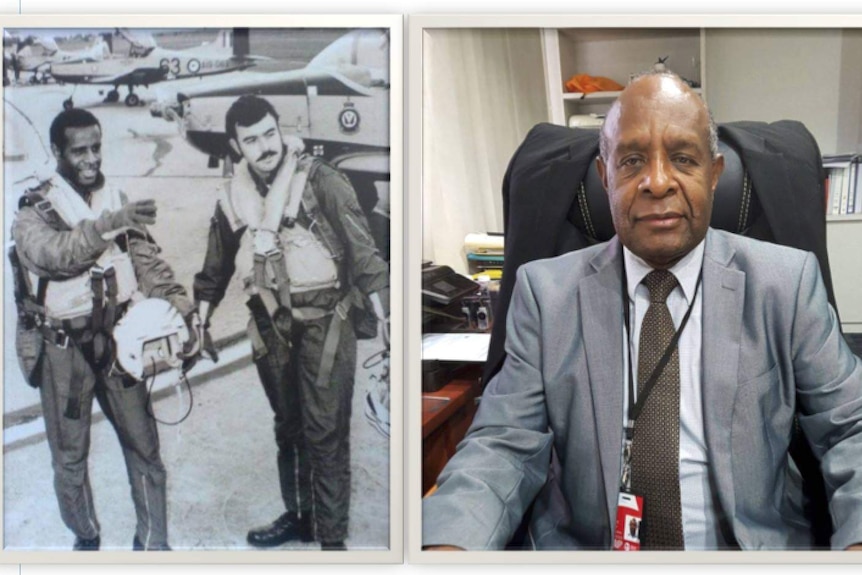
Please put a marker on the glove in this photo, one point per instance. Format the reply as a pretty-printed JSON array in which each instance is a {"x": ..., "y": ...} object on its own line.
[
  {"x": 132, "y": 215},
  {"x": 208, "y": 348},
  {"x": 192, "y": 348}
]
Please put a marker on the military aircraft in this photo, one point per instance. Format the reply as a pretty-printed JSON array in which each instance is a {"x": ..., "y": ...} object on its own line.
[
  {"x": 148, "y": 63},
  {"x": 39, "y": 54},
  {"x": 338, "y": 104},
  {"x": 10, "y": 49}
]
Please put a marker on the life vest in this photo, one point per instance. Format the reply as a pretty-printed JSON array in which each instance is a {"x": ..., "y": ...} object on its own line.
[
  {"x": 72, "y": 298},
  {"x": 310, "y": 261}
]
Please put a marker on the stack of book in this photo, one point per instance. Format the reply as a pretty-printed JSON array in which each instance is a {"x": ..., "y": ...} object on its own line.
[
  {"x": 843, "y": 184},
  {"x": 484, "y": 254}
]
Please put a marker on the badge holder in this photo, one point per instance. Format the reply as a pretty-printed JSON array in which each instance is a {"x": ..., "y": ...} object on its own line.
[{"x": 629, "y": 505}]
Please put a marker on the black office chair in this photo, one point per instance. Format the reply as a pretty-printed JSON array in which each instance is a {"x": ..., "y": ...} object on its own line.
[{"x": 771, "y": 189}]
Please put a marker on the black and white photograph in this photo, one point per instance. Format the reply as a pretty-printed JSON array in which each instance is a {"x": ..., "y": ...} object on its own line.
[{"x": 197, "y": 301}]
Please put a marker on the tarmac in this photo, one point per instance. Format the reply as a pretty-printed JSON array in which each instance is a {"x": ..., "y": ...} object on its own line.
[{"x": 221, "y": 460}]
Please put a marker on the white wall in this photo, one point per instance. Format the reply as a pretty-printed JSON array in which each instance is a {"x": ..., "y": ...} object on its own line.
[
  {"x": 850, "y": 98},
  {"x": 483, "y": 89},
  {"x": 775, "y": 74}
]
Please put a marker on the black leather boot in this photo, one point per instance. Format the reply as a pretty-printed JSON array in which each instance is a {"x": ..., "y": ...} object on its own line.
[
  {"x": 288, "y": 527},
  {"x": 82, "y": 544}
]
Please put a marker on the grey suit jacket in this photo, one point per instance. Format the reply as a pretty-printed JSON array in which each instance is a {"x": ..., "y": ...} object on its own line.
[{"x": 771, "y": 347}]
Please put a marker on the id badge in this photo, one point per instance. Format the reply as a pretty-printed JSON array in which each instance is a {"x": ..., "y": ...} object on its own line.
[{"x": 628, "y": 525}]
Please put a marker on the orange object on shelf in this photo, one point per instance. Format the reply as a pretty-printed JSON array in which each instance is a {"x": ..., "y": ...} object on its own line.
[{"x": 586, "y": 84}]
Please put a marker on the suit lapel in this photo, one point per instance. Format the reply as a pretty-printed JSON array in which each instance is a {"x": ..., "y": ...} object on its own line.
[
  {"x": 601, "y": 293},
  {"x": 723, "y": 299}
]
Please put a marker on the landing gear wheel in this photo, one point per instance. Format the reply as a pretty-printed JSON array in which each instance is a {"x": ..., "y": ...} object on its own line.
[
  {"x": 132, "y": 100},
  {"x": 68, "y": 104},
  {"x": 112, "y": 96}
]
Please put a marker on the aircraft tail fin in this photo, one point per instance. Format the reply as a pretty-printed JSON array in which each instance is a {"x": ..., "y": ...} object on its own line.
[
  {"x": 240, "y": 43},
  {"x": 47, "y": 42},
  {"x": 137, "y": 38},
  {"x": 108, "y": 39}
]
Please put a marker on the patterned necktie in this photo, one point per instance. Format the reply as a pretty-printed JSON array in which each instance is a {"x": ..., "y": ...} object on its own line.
[{"x": 655, "y": 447}]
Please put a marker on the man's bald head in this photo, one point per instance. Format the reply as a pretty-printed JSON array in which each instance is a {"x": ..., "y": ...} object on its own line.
[{"x": 656, "y": 85}]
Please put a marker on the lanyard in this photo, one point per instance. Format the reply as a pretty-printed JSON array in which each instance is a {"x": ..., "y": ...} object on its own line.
[{"x": 635, "y": 407}]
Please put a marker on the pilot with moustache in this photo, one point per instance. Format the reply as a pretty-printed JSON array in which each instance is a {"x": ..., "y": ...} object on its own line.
[{"x": 292, "y": 226}]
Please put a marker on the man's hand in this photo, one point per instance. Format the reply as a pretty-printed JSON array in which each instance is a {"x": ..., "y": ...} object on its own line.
[
  {"x": 135, "y": 214},
  {"x": 132, "y": 215},
  {"x": 208, "y": 348},
  {"x": 192, "y": 348}
]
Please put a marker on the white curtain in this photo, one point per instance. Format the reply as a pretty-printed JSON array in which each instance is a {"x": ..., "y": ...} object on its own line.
[{"x": 483, "y": 89}]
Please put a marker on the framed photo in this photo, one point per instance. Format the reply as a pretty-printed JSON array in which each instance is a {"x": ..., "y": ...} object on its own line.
[
  {"x": 199, "y": 354},
  {"x": 479, "y": 85}
]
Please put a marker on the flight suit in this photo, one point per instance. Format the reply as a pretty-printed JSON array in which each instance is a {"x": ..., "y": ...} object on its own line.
[
  {"x": 70, "y": 373},
  {"x": 311, "y": 413}
]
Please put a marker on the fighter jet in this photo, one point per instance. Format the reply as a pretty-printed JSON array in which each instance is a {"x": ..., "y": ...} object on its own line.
[
  {"x": 39, "y": 54},
  {"x": 338, "y": 104},
  {"x": 148, "y": 63}
]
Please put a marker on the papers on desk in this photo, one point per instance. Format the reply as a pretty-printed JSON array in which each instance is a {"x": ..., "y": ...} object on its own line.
[{"x": 471, "y": 347}]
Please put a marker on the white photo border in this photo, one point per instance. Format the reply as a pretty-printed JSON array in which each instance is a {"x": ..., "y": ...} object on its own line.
[{"x": 394, "y": 23}]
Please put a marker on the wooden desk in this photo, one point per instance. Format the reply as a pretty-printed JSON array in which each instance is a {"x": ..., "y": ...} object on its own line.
[{"x": 446, "y": 416}]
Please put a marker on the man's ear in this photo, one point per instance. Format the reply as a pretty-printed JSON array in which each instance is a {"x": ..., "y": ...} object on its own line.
[
  {"x": 603, "y": 172},
  {"x": 56, "y": 151},
  {"x": 235, "y": 146}
]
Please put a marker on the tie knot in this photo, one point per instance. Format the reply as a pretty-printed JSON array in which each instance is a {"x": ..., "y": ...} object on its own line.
[{"x": 659, "y": 283}]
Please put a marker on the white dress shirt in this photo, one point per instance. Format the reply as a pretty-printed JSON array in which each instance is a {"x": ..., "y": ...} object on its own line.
[{"x": 700, "y": 508}]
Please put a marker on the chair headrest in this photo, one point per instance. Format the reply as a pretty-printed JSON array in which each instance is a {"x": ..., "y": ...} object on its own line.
[{"x": 735, "y": 207}]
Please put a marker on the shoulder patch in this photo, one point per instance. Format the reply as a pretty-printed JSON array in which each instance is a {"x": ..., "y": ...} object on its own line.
[{"x": 32, "y": 191}]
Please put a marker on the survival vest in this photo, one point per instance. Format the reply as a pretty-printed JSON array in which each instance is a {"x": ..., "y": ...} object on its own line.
[
  {"x": 50, "y": 310},
  {"x": 62, "y": 208},
  {"x": 310, "y": 249}
]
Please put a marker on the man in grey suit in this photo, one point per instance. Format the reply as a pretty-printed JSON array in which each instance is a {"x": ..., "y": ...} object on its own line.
[{"x": 755, "y": 343}]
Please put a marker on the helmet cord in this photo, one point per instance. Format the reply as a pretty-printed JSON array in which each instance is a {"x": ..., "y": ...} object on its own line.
[{"x": 150, "y": 410}]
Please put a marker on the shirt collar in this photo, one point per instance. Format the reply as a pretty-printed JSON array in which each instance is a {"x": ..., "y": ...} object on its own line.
[{"x": 686, "y": 270}]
